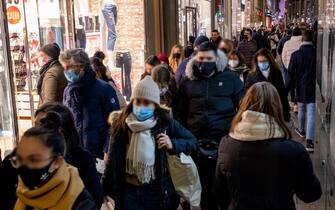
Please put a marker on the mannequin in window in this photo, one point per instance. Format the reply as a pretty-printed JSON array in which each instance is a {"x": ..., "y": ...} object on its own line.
[{"x": 109, "y": 15}]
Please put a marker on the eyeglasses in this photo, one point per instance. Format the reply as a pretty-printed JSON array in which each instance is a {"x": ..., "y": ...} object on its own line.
[{"x": 17, "y": 162}]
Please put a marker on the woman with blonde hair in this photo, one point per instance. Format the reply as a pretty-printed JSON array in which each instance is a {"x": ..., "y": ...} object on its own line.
[
  {"x": 176, "y": 57},
  {"x": 259, "y": 166}
]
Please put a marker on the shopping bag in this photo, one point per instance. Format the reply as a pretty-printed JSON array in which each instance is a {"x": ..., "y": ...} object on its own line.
[{"x": 185, "y": 177}]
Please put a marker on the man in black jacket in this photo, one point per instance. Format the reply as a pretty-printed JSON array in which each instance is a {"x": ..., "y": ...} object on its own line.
[
  {"x": 207, "y": 102},
  {"x": 302, "y": 73}
]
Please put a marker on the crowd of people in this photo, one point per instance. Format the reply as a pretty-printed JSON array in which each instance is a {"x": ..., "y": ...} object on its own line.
[{"x": 224, "y": 104}]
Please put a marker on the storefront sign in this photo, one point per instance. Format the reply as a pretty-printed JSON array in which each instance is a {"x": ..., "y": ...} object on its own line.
[{"x": 13, "y": 15}]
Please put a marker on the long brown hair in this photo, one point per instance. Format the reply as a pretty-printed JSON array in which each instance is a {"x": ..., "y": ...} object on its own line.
[
  {"x": 266, "y": 53},
  {"x": 263, "y": 97},
  {"x": 174, "y": 63}
]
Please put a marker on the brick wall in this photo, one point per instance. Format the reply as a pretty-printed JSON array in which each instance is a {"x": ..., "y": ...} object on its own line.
[{"x": 131, "y": 33}]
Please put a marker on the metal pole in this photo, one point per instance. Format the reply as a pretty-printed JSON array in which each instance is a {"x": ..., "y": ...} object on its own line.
[{"x": 28, "y": 66}]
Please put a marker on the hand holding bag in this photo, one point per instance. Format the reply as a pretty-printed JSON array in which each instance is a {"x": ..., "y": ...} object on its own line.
[{"x": 185, "y": 177}]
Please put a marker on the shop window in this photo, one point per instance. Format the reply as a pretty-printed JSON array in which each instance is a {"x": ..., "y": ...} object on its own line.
[
  {"x": 32, "y": 24},
  {"x": 115, "y": 27},
  {"x": 7, "y": 131}
]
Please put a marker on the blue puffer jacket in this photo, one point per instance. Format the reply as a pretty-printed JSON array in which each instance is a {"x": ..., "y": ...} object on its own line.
[
  {"x": 91, "y": 101},
  {"x": 114, "y": 177}
]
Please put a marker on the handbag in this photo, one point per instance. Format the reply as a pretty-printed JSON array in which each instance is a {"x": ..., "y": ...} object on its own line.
[
  {"x": 185, "y": 177},
  {"x": 208, "y": 149}
]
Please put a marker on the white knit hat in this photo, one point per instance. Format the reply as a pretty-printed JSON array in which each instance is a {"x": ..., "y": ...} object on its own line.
[{"x": 147, "y": 89}]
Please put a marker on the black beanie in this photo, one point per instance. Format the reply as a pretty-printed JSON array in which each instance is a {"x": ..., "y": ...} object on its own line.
[
  {"x": 52, "y": 50},
  {"x": 199, "y": 40}
]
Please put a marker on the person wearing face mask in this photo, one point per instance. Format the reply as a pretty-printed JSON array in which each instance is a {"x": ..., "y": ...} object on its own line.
[
  {"x": 176, "y": 57},
  {"x": 206, "y": 103},
  {"x": 164, "y": 78},
  {"x": 248, "y": 47},
  {"x": 265, "y": 68},
  {"x": 180, "y": 74},
  {"x": 236, "y": 64},
  {"x": 137, "y": 175},
  {"x": 52, "y": 82},
  {"x": 46, "y": 181},
  {"x": 90, "y": 100}
]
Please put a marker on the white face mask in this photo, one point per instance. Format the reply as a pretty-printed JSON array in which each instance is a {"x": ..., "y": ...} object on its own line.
[{"x": 233, "y": 63}]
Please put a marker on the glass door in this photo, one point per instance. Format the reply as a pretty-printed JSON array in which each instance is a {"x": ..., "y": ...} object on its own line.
[{"x": 7, "y": 111}]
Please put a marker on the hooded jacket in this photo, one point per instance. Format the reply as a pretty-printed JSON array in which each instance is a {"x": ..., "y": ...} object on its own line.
[
  {"x": 115, "y": 173},
  {"x": 289, "y": 48},
  {"x": 206, "y": 106},
  {"x": 259, "y": 170}
]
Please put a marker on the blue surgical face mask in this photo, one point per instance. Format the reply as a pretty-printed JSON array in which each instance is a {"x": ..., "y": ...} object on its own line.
[
  {"x": 143, "y": 113},
  {"x": 263, "y": 66},
  {"x": 71, "y": 76}
]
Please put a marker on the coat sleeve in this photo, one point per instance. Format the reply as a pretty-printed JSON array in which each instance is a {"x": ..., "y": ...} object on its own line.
[
  {"x": 249, "y": 81},
  {"x": 182, "y": 139},
  {"x": 238, "y": 92},
  {"x": 50, "y": 87},
  {"x": 283, "y": 96},
  {"x": 285, "y": 56},
  {"x": 307, "y": 187},
  {"x": 291, "y": 72},
  {"x": 221, "y": 185},
  {"x": 182, "y": 104}
]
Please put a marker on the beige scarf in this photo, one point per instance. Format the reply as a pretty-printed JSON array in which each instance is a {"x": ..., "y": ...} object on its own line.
[
  {"x": 140, "y": 159},
  {"x": 256, "y": 126},
  {"x": 60, "y": 192}
]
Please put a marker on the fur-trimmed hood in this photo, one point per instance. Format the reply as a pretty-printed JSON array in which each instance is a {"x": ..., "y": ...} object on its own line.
[
  {"x": 221, "y": 65},
  {"x": 255, "y": 126}
]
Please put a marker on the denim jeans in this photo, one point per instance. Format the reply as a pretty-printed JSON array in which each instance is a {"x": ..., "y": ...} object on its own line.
[
  {"x": 146, "y": 197},
  {"x": 309, "y": 110},
  {"x": 123, "y": 61},
  {"x": 109, "y": 12}
]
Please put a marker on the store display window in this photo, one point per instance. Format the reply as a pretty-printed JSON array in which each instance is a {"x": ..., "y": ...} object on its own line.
[
  {"x": 7, "y": 117},
  {"x": 115, "y": 27},
  {"x": 32, "y": 24}
]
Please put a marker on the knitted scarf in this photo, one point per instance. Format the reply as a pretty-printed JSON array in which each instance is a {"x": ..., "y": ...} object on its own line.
[
  {"x": 140, "y": 160},
  {"x": 256, "y": 126},
  {"x": 42, "y": 73},
  {"x": 60, "y": 192}
]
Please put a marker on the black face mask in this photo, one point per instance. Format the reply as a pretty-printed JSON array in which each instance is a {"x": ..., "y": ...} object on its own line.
[
  {"x": 207, "y": 68},
  {"x": 177, "y": 55},
  {"x": 34, "y": 177}
]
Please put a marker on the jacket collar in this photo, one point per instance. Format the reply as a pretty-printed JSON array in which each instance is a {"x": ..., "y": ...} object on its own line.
[
  {"x": 296, "y": 38},
  {"x": 256, "y": 126},
  {"x": 221, "y": 65}
]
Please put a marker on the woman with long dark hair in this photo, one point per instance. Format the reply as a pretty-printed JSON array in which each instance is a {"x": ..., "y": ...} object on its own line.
[
  {"x": 137, "y": 175},
  {"x": 265, "y": 68},
  {"x": 259, "y": 166}
]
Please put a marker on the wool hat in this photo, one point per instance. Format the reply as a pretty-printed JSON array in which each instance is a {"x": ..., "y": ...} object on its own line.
[
  {"x": 52, "y": 50},
  {"x": 199, "y": 40},
  {"x": 147, "y": 89}
]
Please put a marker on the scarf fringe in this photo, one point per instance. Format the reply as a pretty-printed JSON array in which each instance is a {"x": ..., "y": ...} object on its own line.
[{"x": 144, "y": 173}]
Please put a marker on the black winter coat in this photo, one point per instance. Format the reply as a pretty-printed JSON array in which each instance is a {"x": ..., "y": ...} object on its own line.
[
  {"x": 264, "y": 175},
  {"x": 302, "y": 73},
  {"x": 114, "y": 177},
  {"x": 84, "y": 202},
  {"x": 207, "y": 106},
  {"x": 276, "y": 79}
]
